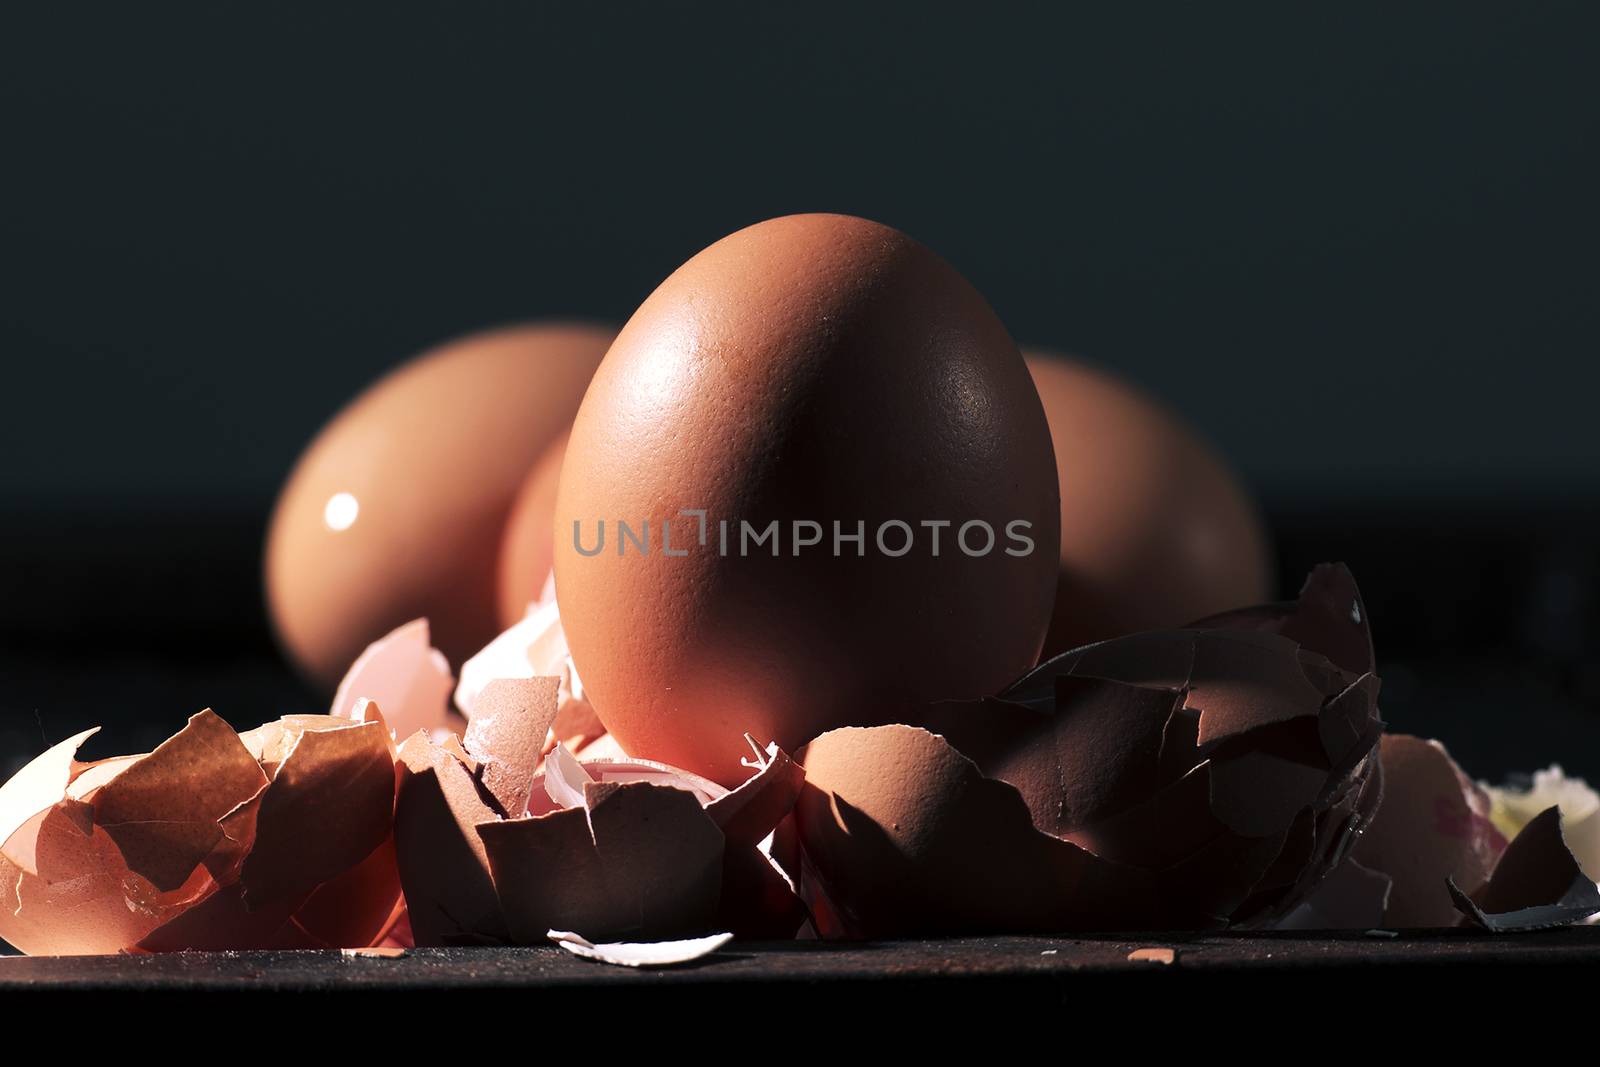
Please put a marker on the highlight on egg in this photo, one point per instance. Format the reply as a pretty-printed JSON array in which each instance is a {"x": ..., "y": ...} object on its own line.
[{"x": 397, "y": 509}]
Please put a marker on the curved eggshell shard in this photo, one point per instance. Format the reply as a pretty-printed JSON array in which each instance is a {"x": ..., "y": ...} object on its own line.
[
  {"x": 638, "y": 861},
  {"x": 1329, "y": 617},
  {"x": 1537, "y": 884},
  {"x": 444, "y": 869},
  {"x": 1233, "y": 767},
  {"x": 222, "y": 921},
  {"x": 166, "y": 819},
  {"x": 507, "y": 734},
  {"x": 908, "y": 837},
  {"x": 330, "y": 804},
  {"x": 747, "y": 814},
  {"x": 37, "y": 786},
  {"x": 536, "y": 646},
  {"x": 404, "y": 675},
  {"x": 1043, "y": 753},
  {"x": 1432, "y": 825},
  {"x": 357, "y": 907},
  {"x": 83, "y": 900},
  {"x": 147, "y": 852}
]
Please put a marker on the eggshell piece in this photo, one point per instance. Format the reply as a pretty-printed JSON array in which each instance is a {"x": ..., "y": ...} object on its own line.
[
  {"x": 209, "y": 841},
  {"x": 404, "y": 675},
  {"x": 645, "y": 863},
  {"x": 396, "y": 510},
  {"x": 330, "y": 805},
  {"x": 1537, "y": 884},
  {"x": 507, "y": 734},
  {"x": 646, "y": 954},
  {"x": 812, "y": 368},
  {"x": 1433, "y": 825},
  {"x": 1192, "y": 763},
  {"x": 39, "y": 784},
  {"x": 536, "y": 646},
  {"x": 631, "y": 848},
  {"x": 906, "y": 836},
  {"x": 444, "y": 868},
  {"x": 1155, "y": 529}
]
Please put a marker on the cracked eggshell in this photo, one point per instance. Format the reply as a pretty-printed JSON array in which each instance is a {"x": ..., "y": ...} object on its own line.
[
  {"x": 815, "y": 368},
  {"x": 1156, "y": 530},
  {"x": 404, "y": 672},
  {"x": 396, "y": 510},
  {"x": 619, "y": 849},
  {"x": 1433, "y": 824},
  {"x": 902, "y": 835},
  {"x": 214, "y": 840},
  {"x": 536, "y": 646},
  {"x": 1212, "y": 776}
]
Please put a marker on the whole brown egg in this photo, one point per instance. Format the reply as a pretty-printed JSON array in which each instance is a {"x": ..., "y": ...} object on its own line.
[
  {"x": 826, "y": 494},
  {"x": 527, "y": 550},
  {"x": 1156, "y": 531},
  {"x": 396, "y": 509}
]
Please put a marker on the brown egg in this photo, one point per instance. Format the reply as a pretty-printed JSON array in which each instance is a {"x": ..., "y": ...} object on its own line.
[
  {"x": 808, "y": 371},
  {"x": 396, "y": 509},
  {"x": 1155, "y": 529},
  {"x": 527, "y": 549}
]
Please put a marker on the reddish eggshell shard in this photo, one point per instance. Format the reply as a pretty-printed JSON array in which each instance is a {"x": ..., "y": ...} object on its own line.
[{"x": 404, "y": 675}]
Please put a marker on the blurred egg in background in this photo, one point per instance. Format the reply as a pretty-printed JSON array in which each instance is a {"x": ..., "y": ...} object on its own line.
[
  {"x": 527, "y": 550},
  {"x": 1156, "y": 530},
  {"x": 396, "y": 509}
]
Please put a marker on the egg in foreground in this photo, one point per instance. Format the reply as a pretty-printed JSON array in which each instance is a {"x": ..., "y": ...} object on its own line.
[{"x": 808, "y": 377}]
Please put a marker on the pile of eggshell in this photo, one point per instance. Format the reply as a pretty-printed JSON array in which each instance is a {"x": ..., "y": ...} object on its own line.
[{"x": 845, "y": 744}]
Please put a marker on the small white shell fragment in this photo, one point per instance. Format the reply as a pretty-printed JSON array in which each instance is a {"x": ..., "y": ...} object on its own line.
[{"x": 641, "y": 954}]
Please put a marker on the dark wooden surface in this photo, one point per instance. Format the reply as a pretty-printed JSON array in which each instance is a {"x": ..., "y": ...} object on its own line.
[{"x": 1021, "y": 967}]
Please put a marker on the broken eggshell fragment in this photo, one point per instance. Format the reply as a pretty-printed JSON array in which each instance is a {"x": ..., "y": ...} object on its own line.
[
  {"x": 277, "y": 838},
  {"x": 1433, "y": 825},
  {"x": 1175, "y": 779},
  {"x": 1442, "y": 862},
  {"x": 536, "y": 646},
  {"x": 407, "y": 677},
  {"x": 497, "y": 846}
]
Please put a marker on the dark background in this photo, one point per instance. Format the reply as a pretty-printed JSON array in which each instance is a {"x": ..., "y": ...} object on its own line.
[{"x": 1358, "y": 247}]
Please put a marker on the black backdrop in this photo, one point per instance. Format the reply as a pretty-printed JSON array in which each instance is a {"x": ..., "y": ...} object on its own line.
[{"x": 1355, "y": 245}]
